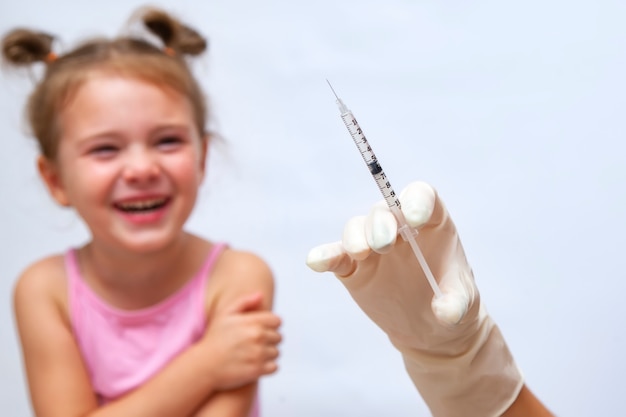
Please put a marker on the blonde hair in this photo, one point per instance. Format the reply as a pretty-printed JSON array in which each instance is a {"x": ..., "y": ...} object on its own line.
[{"x": 129, "y": 56}]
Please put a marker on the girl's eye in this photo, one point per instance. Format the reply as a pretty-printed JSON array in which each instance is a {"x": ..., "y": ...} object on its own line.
[
  {"x": 169, "y": 142},
  {"x": 103, "y": 150}
]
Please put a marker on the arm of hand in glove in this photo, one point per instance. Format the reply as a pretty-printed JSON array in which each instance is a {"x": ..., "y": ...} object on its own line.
[{"x": 452, "y": 350}]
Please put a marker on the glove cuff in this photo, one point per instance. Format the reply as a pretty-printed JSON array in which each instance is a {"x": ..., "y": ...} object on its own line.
[{"x": 481, "y": 382}]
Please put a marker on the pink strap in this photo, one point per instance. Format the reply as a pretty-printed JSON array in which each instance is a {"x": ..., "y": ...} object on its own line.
[
  {"x": 203, "y": 275},
  {"x": 73, "y": 284}
]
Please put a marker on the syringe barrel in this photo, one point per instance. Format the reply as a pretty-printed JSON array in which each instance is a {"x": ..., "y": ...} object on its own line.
[{"x": 370, "y": 159}]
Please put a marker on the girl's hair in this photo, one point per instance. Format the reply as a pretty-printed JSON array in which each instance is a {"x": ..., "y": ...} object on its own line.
[{"x": 127, "y": 55}]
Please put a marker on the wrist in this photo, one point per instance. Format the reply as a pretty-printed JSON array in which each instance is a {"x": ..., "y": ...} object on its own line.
[{"x": 526, "y": 404}]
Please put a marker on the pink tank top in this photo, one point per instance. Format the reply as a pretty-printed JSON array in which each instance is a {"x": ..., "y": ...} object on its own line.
[{"x": 122, "y": 349}]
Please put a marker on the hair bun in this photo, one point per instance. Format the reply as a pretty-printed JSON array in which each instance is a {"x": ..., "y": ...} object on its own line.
[
  {"x": 24, "y": 46},
  {"x": 173, "y": 33}
]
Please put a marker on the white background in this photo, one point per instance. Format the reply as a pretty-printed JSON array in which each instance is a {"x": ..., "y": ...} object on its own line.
[{"x": 512, "y": 110}]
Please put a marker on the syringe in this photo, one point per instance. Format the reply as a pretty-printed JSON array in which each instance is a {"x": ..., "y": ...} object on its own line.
[{"x": 407, "y": 232}]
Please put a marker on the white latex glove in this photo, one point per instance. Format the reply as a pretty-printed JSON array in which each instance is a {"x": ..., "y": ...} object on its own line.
[{"x": 452, "y": 350}]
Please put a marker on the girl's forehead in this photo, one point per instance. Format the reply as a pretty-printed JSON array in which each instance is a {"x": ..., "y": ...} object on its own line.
[
  {"x": 120, "y": 103},
  {"x": 113, "y": 89},
  {"x": 106, "y": 78}
]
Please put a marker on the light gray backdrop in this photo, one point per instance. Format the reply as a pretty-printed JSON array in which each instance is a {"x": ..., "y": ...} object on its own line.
[{"x": 513, "y": 110}]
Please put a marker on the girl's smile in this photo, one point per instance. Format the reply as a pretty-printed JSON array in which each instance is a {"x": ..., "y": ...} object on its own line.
[{"x": 143, "y": 209}]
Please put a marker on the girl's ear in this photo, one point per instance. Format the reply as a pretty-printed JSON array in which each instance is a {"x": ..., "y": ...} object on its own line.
[{"x": 50, "y": 174}]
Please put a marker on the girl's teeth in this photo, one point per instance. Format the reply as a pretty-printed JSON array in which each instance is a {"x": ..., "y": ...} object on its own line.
[{"x": 142, "y": 205}]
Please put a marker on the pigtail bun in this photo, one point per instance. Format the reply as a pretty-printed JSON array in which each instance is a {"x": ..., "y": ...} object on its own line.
[
  {"x": 172, "y": 33},
  {"x": 22, "y": 47}
]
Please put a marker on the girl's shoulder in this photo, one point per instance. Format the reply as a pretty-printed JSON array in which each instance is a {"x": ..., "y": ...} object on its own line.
[
  {"x": 45, "y": 275},
  {"x": 241, "y": 264},
  {"x": 43, "y": 281},
  {"x": 238, "y": 273}
]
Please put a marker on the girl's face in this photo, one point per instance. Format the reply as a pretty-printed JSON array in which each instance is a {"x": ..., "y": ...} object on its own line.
[{"x": 130, "y": 162}]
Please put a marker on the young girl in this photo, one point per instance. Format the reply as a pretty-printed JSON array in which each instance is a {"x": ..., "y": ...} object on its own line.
[{"x": 145, "y": 319}]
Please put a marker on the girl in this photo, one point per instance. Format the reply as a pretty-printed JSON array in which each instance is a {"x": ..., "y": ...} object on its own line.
[{"x": 145, "y": 319}]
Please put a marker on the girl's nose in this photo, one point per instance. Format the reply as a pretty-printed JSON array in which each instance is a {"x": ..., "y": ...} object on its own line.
[{"x": 140, "y": 167}]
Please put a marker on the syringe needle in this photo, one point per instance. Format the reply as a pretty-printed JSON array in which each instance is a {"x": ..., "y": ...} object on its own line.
[{"x": 331, "y": 87}]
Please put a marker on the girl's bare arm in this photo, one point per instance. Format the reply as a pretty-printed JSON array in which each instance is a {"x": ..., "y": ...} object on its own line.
[{"x": 58, "y": 380}]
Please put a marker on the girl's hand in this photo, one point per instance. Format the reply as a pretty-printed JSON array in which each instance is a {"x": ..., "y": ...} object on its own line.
[{"x": 243, "y": 342}]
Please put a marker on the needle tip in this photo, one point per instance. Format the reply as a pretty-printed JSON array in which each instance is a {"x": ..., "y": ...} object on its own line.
[{"x": 331, "y": 87}]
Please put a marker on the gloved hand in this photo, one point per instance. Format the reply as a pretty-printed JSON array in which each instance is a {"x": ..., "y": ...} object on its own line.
[{"x": 452, "y": 350}]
